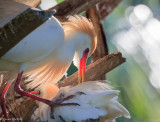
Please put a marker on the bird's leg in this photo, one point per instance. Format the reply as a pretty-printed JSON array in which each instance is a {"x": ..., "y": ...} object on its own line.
[
  {"x": 64, "y": 99},
  {"x": 2, "y": 101},
  {"x": 60, "y": 100},
  {"x": 22, "y": 92}
]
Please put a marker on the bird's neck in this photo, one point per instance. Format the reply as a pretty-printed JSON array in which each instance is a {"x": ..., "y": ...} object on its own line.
[
  {"x": 72, "y": 43},
  {"x": 77, "y": 42}
]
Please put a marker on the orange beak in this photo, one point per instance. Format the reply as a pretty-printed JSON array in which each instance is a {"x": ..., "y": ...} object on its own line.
[
  {"x": 82, "y": 66},
  {"x": 35, "y": 92}
]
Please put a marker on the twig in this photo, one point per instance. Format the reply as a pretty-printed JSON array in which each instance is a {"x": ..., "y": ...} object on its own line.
[{"x": 96, "y": 69}]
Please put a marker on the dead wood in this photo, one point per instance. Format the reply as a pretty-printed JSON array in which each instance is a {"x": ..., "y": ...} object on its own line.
[
  {"x": 102, "y": 48},
  {"x": 106, "y": 7}
]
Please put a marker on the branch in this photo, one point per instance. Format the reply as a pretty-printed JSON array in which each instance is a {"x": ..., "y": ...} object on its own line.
[
  {"x": 72, "y": 7},
  {"x": 12, "y": 32},
  {"x": 106, "y": 7},
  {"x": 96, "y": 69},
  {"x": 19, "y": 27},
  {"x": 102, "y": 48}
]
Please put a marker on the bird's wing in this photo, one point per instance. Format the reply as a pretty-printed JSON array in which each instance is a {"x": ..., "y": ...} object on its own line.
[{"x": 38, "y": 44}]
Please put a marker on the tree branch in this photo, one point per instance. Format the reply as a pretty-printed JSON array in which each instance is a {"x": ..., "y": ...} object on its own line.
[
  {"x": 102, "y": 48},
  {"x": 19, "y": 27},
  {"x": 12, "y": 33},
  {"x": 106, "y": 7},
  {"x": 71, "y": 7},
  {"x": 96, "y": 69}
]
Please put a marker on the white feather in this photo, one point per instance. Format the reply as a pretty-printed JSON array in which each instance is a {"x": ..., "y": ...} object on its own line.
[
  {"x": 78, "y": 113},
  {"x": 89, "y": 87},
  {"x": 97, "y": 102}
]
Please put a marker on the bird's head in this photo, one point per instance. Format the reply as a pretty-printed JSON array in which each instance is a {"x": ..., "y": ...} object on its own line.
[{"x": 86, "y": 37}]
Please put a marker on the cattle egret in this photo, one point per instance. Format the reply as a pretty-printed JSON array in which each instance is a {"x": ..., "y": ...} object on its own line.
[
  {"x": 96, "y": 102},
  {"x": 46, "y": 53}
]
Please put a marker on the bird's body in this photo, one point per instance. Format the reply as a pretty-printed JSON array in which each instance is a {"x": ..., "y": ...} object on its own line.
[
  {"x": 47, "y": 52},
  {"x": 96, "y": 102},
  {"x": 36, "y": 49}
]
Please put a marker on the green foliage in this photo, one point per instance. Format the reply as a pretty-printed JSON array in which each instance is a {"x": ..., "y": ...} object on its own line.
[
  {"x": 137, "y": 93},
  {"x": 59, "y": 1}
]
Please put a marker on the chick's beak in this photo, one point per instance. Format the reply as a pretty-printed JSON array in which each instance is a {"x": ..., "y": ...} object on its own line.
[
  {"x": 82, "y": 66},
  {"x": 35, "y": 92}
]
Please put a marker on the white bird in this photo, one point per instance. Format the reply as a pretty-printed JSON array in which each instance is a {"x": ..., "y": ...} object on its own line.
[
  {"x": 47, "y": 52},
  {"x": 96, "y": 102}
]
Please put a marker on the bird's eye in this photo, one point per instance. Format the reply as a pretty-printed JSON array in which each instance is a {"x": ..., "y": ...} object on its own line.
[{"x": 86, "y": 50}]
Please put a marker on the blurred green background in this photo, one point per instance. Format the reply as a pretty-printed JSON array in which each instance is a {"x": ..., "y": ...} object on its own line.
[{"x": 133, "y": 28}]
